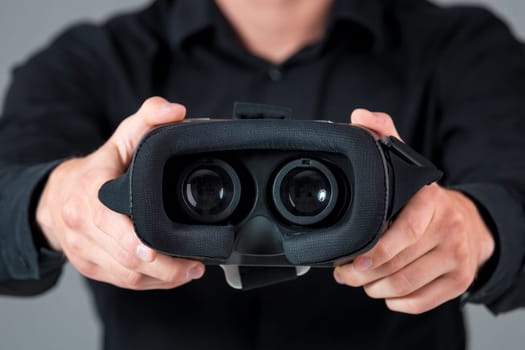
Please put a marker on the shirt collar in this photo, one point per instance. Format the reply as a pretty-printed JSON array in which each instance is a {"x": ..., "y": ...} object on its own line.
[
  {"x": 368, "y": 15},
  {"x": 186, "y": 19}
]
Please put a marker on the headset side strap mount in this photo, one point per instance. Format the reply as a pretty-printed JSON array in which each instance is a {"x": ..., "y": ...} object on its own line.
[{"x": 410, "y": 172}]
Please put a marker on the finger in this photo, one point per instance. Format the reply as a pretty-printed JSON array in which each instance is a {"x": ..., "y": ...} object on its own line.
[
  {"x": 119, "y": 239},
  {"x": 441, "y": 290},
  {"x": 96, "y": 263},
  {"x": 154, "y": 112},
  {"x": 357, "y": 278},
  {"x": 109, "y": 271},
  {"x": 170, "y": 269},
  {"x": 411, "y": 224},
  {"x": 122, "y": 233},
  {"x": 413, "y": 277},
  {"x": 378, "y": 122}
]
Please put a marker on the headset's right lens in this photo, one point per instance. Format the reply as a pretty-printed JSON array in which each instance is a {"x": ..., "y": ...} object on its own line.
[{"x": 305, "y": 191}]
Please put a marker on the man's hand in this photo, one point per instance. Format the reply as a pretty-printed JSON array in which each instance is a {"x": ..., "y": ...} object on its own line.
[
  {"x": 432, "y": 251},
  {"x": 100, "y": 243}
]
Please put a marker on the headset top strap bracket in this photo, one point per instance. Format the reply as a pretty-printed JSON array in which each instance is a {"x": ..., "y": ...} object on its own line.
[{"x": 245, "y": 110}]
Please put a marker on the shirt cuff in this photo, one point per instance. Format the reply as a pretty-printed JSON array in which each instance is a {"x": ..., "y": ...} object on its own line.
[
  {"x": 21, "y": 259},
  {"x": 503, "y": 214}
]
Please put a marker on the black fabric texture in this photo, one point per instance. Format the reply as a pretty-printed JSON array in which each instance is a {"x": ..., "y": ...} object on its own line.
[{"x": 361, "y": 226}]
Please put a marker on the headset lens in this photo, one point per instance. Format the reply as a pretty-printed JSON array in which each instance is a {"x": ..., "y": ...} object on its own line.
[
  {"x": 210, "y": 191},
  {"x": 305, "y": 192}
]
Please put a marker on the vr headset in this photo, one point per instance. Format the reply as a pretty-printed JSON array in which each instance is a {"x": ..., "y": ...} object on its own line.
[{"x": 263, "y": 196}]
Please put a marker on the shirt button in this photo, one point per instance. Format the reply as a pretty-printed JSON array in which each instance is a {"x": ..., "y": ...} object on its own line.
[{"x": 275, "y": 74}]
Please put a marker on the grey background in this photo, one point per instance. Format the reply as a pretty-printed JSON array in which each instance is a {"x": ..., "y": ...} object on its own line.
[{"x": 63, "y": 318}]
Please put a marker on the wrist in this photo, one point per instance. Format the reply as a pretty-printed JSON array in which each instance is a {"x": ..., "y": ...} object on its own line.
[
  {"x": 483, "y": 237},
  {"x": 43, "y": 219}
]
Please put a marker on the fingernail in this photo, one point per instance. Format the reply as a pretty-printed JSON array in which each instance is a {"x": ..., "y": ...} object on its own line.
[
  {"x": 144, "y": 253},
  {"x": 356, "y": 115},
  {"x": 363, "y": 263},
  {"x": 195, "y": 272},
  {"x": 338, "y": 277}
]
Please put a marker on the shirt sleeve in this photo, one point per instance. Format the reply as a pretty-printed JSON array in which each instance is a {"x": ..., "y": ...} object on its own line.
[
  {"x": 21, "y": 258},
  {"x": 51, "y": 112},
  {"x": 481, "y": 88}
]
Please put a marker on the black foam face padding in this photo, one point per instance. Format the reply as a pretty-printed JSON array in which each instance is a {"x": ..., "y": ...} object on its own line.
[{"x": 358, "y": 227}]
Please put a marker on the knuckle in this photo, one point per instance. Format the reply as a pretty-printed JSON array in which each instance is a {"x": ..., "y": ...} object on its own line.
[
  {"x": 351, "y": 277},
  {"x": 401, "y": 284},
  {"x": 415, "y": 307},
  {"x": 73, "y": 242},
  {"x": 126, "y": 123},
  {"x": 461, "y": 253},
  {"x": 133, "y": 279},
  {"x": 352, "y": 280},
  {"x": 455, "y": 221},
  {"x": 89, "y": 270},
  {"x": 386, "y": 117},
  {"x": 413, "y": 228},
  {"x": 71, "y": 213},
  {"x": 126, "y": 258},
  {"x": 463, "y": 279},
  {"x": 86, "y": 268},
  {"x": 394, "y": 264},
  {"x": 174, "y": 275},
  {"x": 153, "y": 100},
  {"x": 129, "y": 242},
  {"x": 149, "y": 104},
  {"x": 382, "y": 251}
]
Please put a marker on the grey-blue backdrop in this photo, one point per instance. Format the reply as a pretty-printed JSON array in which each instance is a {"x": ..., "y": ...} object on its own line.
[{"x": 63, "y": 318}]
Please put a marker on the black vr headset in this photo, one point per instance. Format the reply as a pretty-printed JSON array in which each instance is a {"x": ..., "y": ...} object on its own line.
[{"x": 264, "y": 196}]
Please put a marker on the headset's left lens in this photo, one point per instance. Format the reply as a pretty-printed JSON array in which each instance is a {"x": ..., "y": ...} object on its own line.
[{"x": 210, "y": 190}]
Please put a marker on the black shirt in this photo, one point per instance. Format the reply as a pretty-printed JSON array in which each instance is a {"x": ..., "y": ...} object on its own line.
[{"x": 453, "y": 80}]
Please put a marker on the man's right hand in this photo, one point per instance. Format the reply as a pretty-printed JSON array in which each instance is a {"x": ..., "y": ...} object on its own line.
[{"x": 100, "y": 243}]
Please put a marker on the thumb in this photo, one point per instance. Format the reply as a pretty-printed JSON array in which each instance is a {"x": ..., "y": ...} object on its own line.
[
  {"x": 154, "y": 112},
  {"x": 381, "y": 123}
]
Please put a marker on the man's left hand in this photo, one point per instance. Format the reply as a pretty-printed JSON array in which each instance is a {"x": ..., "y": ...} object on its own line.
[{"x": 432, "y": 251}]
